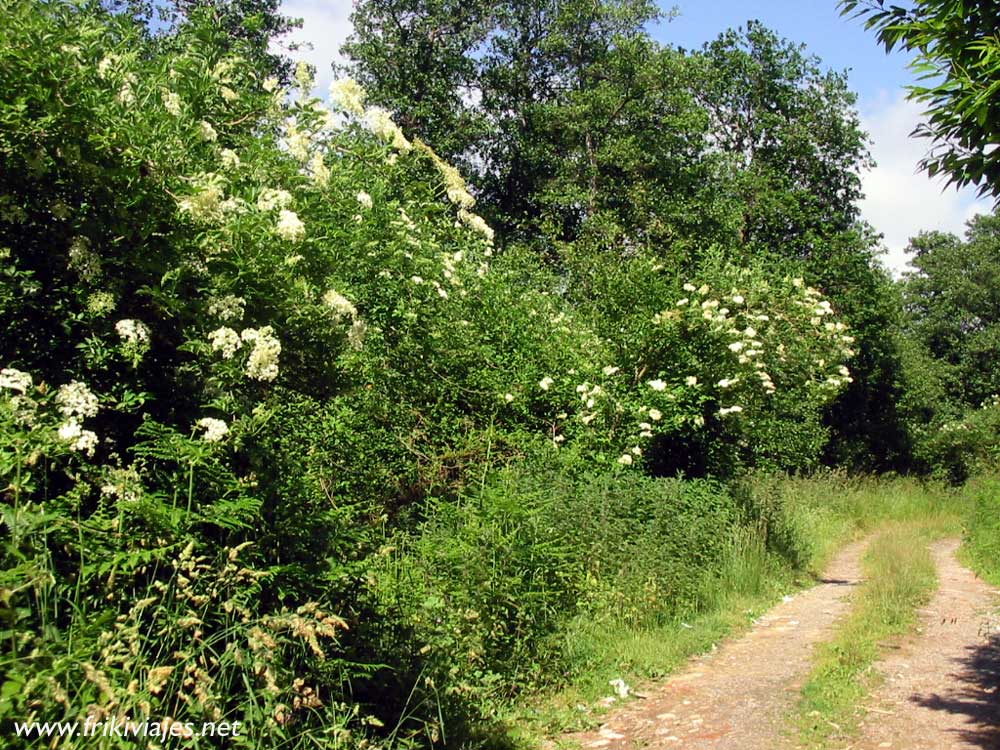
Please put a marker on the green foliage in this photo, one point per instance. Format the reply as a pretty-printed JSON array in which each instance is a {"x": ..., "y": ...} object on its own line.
[
  {"x": 288, "y": 438},
  {"x": 247, "y": 337},
  {"x": 485, "y": 588},
  {"x": 953, "y": 307},
  {"x": 795, "y": 139},
  {"x": 957, "y": 62},
  {"x": 982, "y": 529},
  {"x": 606, "y": 153},
  {"x": 948, "y": 338},
  {"x": 492, "y": 84},
  {"x": 961, "y": 448},
  {"x": 255, "y": 27}
]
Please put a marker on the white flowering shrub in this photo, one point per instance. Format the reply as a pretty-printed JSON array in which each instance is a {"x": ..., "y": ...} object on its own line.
[
  {"x": 245, "y": 334},
  {"x": 202, "y": 285},
  {"x": 727, "y": 368}
]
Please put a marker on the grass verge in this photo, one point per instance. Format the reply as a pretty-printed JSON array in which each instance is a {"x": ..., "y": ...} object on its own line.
[
  {"x": 900, "y": 576},
  {"x": 981, "y": 545},
  {"x": 800, "y": 523},
  {"x": 751, "y": 580}
]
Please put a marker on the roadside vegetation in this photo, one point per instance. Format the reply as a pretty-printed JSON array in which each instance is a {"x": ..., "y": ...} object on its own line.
[{"x": 370, "y": 417}]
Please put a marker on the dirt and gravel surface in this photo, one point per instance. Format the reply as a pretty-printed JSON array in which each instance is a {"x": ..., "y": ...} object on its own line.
[
  {"x": 739, "y": 696},
  {"x": 941, "y": 688}
]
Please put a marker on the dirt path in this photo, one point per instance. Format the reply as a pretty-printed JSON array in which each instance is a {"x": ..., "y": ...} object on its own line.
[
  {"x": 942, "y": 687},
  {"x": 738, "y": 697}
]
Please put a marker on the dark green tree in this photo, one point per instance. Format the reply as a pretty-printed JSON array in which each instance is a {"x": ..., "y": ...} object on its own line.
[
  {"x": 794, "y": 137},
  {"x": 956, "y": 59},
  {"x": 490, "y": 85},
  {"x": 952, "y": 305}
]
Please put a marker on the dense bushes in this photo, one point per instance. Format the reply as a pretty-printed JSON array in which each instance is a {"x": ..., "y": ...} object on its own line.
[
  {"x": 248, "y": 340},
  {"x": 286, "y": 439},
  {"x": 483, "y": 590}
]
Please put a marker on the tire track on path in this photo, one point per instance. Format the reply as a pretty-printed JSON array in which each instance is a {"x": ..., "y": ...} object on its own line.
[
  {"x": 739, "y": 696},
  {"x": 942, "y": 687}
]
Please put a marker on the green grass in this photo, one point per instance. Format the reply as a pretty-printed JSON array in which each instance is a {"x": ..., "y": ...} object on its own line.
[
  {"x": 801, "y": 523},
  {"x": 981, "y": 548},
  {"x": 752, "y": 579},
  {"x": 899, "y": 577}
]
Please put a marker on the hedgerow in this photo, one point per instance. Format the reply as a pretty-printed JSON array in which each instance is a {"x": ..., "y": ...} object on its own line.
[{"x": 251, "y": 341}]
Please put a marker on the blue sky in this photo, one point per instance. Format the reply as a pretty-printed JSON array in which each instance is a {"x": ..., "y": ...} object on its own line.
[
  {"x": 841, "y": 42},
  {"x": 900, "y": 201}
]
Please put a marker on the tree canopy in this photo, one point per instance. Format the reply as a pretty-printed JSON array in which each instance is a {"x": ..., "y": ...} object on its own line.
[
  {"x": 952, "y": 305},
  {"x": 956, "y": 52}
]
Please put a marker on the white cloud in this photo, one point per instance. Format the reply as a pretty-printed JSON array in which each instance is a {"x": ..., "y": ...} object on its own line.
[
  {"x": 900, "y": 200},
  {"x": 326, "y": 24}
]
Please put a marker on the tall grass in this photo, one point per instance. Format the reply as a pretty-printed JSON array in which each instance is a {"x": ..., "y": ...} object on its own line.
[
  {"x": 787, "y": 531},
  {"x": 981, "y": 548}
]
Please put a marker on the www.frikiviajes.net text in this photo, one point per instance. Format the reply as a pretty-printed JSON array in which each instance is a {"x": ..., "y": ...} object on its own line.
[{"x": 128, "y": 728}]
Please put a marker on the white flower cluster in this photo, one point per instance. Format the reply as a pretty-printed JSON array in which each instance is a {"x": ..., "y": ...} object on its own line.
[
  {"x": 262, "y": 364},
  {"x": 735, "y": 321},
  {"x": 228, "y": 307},
  {"x": 347, "y": 94},
  {"x": 476, "y": 223},
  {"x": 289, "y": 226},
  {"x": 225, "y": 340},
  {"x": 344, "y": 308},
  {"x": 172, "y": 102},
  {"x": 206, "y": 132},
  {"x": 339, "y": 304},
  {"x": 15, "y": 380},
  {"x": 76, "y": 402},
  {"x": 318, "y": 170},
  {"x": 126, "y": 93},
  {"x": 134, "y": 335},
  {"x": 230, "y": 159},
  {"x": 20, "y": 382},
  {"x": 356, "y": 334},
  {"x": 381, "y": 124},
  {"x": 215, "y": 429},
  {"x": 207, "y": 203},
  {"x": 273, "y": 198},
  {"x": 298, "y": 141},
  {"x": 304, "y": 77},
  {"x": 79, "y": 439}
]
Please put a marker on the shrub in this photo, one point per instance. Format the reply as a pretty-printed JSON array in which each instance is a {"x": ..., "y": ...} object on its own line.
[
  {"x": 484, "y": 590},
  {"x": 958, "y": 449}
]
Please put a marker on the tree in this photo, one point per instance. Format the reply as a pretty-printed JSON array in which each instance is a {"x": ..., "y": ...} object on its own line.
[
  {"x": 251, "y": 25},
  {"x": 797, "y": 148},
  {"x": 952, "y": 303},
  {"x": 490, "y": 84},
  {"x": 957, "y": 62},
  {"x": 794, "y": 136},
  {"x": 415, "y": 57}
]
